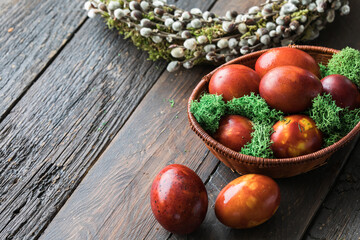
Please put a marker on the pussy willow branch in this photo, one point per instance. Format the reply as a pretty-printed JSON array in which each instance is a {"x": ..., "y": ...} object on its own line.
[{"x": 186, "y": 38}]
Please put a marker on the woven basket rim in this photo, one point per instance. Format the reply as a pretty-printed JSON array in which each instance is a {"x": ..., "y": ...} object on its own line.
[{"x": 246, "y": 159}]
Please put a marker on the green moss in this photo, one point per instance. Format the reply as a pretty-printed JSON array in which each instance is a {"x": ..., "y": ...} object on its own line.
[
  {"x": 346, "y": 63},
  {"x": 208, "y": 111},
  {"x": 335, "y": 122},
  {"x": 260, "y": 142},
  {"x": 256, "y": 109},
  {"x": 323, "y": 70},
  {"x": 331, "y": 139},
  {"x": 350, "y": 118},
  {"x": 253, "y": 107},
  {"x": 326, "y": 114},
  {"x": 210, "y": 108}
]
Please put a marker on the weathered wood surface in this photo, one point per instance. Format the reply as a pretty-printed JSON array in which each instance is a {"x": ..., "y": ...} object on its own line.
[
  {"x": 154, "y": 138},
  {"x": 113, "y": 200},
  {"x": 31, "y": 34},
  {"x": 65, "y": 121},
  {"x": 80, "y": 98},
  {"x": 339, "y": 217}
]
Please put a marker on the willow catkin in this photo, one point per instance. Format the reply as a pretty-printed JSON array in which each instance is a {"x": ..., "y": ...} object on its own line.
[{"x": 186, "y": 38}]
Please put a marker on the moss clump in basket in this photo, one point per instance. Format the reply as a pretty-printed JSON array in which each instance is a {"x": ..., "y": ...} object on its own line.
[
  {"x": 260, "y": 142},
  {"x": 333, "y": 121},
  {"x": 253, "y": 107},
  {"x": 256, "y": 109},
  {"x": 208, "y": 111},
  {"x": 346, "y": 63}
]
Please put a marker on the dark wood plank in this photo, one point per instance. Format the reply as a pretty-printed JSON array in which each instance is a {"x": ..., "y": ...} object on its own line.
[
  {"x": 339, "y": 216},
  {"x": 56, "y": 132},
  {"x": 32, "y": 33}
]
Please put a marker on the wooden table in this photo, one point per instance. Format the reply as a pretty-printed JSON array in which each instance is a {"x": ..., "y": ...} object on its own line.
[{"x": 86, "y": 123}]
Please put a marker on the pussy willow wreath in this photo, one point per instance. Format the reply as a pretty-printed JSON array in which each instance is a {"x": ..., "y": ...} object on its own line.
[{"x": 186, "y": 38}]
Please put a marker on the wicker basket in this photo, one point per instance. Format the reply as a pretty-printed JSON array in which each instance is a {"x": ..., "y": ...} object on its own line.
[{"x": 276, "y": 168}]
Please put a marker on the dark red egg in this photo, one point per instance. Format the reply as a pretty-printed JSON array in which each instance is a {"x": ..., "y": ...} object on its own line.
[
  {"x": 179, "y": 199},
  {"x": 342, "y": 90},
  {"x": 289, "y": 88},
  {"x": 234, "y": 81},
  {"x": 286, "y": 56},
  {"x": 234, "y": 132}
]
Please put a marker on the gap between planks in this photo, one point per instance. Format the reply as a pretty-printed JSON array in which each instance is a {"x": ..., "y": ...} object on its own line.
[{"x": 18, "y": 43}]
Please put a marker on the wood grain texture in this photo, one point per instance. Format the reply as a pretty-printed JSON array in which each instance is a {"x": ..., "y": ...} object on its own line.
[
  {"x": 31, "y": 34},
  {"x": 113, "y": 201},
  {"x": 57, "y": 131},
  {"x": 65, "y": 121},
  {"x": 339, "y": 216},
  {"x": 60, "y": 127}
]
